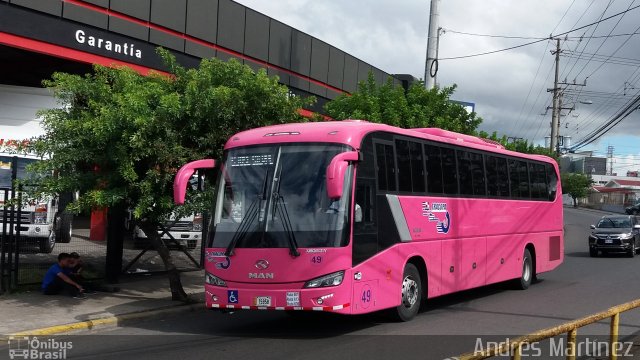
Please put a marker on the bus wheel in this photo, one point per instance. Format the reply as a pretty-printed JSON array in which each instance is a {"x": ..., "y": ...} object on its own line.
[
  {"x": 527, "y": 271},
  {"x": 411, "y": 294}
]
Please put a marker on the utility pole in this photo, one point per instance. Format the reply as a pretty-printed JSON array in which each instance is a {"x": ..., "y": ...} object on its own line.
[
  {"x": 555, "y": 115},
  {"x": 610, "y": 149},
  {"x": 431, "y": 65}
]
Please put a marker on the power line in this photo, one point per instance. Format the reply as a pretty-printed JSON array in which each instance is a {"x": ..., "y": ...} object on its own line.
[
  {"x": 615, "y": 120},
  {"x": 535, "y": 77},
  {"x": 613, "y": 53},
  {"x": 569, "y": 38},
  {"x": 603, "y": 42},
  {"x": 609, "y": 103},
  {"x": 542, "y": 119},
  {"x": 589, "y": 40},
  {"x": 540, "y": 40},
  {"x": 495, "y": 36}
]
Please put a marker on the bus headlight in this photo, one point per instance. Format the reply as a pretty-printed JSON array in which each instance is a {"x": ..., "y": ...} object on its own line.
[
  {"x": 214, "y": 280},
  {"x": 333, "y": 279}
]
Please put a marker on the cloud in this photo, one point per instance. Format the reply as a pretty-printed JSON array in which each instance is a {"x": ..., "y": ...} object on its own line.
[{"x": 508, "y": 93}]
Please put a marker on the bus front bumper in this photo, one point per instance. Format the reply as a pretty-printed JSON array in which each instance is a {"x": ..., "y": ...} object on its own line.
[{"x": 332, "y": 299}]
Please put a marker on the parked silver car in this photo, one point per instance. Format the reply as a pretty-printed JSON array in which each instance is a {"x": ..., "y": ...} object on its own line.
[{"x": 615, "y": 233}]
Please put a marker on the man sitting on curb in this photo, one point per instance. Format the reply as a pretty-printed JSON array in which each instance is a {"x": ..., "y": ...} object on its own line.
[{"x": 57, "y": 279}]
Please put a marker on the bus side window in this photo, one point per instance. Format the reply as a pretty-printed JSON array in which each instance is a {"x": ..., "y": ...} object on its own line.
[
  {"x": 417, "y": 167},
  {"x": 514, "y": 179},
  {"x": 465, "y": 173},
  {"x": 410, "y": 166},
  {"x": 552, "y": 182},
  {"x": 449, "y": 173},
  {"x": 434, "y": 169},
  {"x": 477, "y": 172},
  {"x": 524, "y": 180},
  {"x": 403, "y": 161},
  {"x": 385, "y": 166},
  {"x": 492, "y": 175},
  {"x": 538, "y": 181},
  {"x": 365, "y": 191},
  {"x": 503, "y": 177}
]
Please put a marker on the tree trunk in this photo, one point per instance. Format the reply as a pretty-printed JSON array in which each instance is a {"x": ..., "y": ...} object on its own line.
[
  {"x": 177, "y": 292},
  {"x": 575, "y": 202}
]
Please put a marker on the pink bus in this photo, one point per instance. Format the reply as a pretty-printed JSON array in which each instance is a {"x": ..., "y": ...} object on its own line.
[{"x": 354, "y": 217}]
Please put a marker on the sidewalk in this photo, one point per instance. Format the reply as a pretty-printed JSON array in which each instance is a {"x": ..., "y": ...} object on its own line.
[{"x": 32, "y": 310}]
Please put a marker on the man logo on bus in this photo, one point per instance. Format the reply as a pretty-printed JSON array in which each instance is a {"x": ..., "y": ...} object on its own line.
[{"x": 442, "y": 224}]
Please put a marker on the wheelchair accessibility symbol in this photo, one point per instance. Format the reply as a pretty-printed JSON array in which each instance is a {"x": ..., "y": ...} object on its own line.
[{"x": 232, "y": 296}]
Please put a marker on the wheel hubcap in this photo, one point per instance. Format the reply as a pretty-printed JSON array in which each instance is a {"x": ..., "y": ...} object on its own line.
[
  {"x": 409, "y": 292},
  {"x": 526, "y": 270}
]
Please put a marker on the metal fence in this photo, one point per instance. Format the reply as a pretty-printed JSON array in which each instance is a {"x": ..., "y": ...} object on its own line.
[
  {"x": 183, "y": 237},
  {"x": 514, "y": 347},
  {"x": 34, "y": 233}
]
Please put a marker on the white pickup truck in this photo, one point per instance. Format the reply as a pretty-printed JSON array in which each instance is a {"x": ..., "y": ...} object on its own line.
[
  {"x": 40, "y": 224},
  {"x": 186, "y": 231}
]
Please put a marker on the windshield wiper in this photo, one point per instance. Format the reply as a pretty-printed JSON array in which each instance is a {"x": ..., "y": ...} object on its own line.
[
  {"x": 244, "y": 226},
  {"x": 284, "y": 215},
  {"x": 286, "y": 224}
]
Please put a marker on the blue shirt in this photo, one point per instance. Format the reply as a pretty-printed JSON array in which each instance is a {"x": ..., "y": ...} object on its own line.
[{"x": 52, "y": 273}]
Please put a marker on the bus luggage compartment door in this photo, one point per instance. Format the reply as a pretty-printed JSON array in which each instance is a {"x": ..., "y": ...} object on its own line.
[{"x": 365, "y": 296}]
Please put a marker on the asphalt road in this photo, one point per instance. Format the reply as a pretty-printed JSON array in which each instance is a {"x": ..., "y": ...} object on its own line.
[{"x": 449, "y": 325}]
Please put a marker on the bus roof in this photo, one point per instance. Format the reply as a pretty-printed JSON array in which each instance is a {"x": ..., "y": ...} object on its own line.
[{"x": 351, "y": 132}]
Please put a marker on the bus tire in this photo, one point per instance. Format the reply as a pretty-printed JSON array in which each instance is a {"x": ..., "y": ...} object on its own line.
[
  {"x": 411, "y": 294},
  {"x": 527, "y": 271}
]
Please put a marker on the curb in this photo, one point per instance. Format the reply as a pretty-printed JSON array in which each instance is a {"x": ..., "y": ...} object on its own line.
[
  {"x": 112, "y": 321},
  {"x": 594, "y": 210}
]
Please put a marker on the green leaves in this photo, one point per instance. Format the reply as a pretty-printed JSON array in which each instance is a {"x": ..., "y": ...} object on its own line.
[
  {"x": 576, "y": 185},
  {"x": 120, "y": 137},
  {"x": 416, "y": 108}
]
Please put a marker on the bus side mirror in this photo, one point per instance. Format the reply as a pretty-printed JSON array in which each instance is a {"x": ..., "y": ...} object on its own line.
[
  {"x": 335, "y": 173},
  {"x": 183, "y": 176}
]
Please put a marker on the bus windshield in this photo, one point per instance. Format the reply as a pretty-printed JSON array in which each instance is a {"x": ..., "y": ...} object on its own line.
[{"x": 269, "y": 195}]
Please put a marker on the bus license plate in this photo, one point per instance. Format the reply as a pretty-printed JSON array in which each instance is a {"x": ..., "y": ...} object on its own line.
[{"x": 262, "y": 301}]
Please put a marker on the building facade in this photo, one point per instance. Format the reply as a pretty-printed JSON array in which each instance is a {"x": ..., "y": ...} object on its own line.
[{"x": 39, "y": 37}]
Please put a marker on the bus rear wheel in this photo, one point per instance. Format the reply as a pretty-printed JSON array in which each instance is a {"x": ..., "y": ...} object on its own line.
[
  {"x": 527, "y": 271},
  {"x": 411, "y": 295}
]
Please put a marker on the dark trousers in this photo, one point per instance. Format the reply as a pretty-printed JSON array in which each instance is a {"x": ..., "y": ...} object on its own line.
[{"x": 59, "y": 286}]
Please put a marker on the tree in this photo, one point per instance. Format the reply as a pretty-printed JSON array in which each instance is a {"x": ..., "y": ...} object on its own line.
[
  {"x": 576, "y": 185},
  {"x": 120, "y": 137},
  {"x": 416, "y": 108},
  {"x": 519, "y": 145}
]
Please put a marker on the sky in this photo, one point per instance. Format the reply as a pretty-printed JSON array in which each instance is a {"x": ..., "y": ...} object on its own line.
[{"x": 509, "y": 88}]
